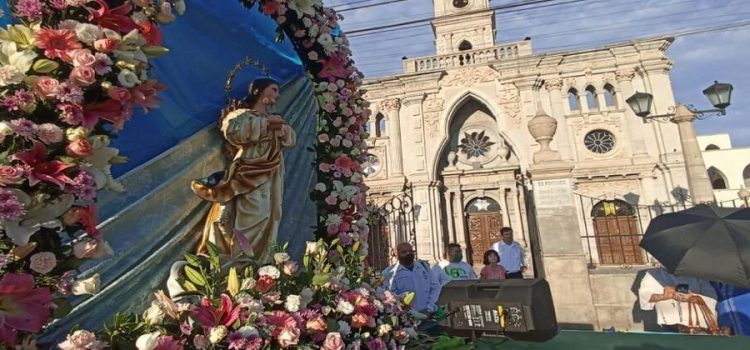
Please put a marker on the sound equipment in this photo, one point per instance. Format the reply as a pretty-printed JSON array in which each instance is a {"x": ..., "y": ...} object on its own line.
[{"x": 520, "y": 309}]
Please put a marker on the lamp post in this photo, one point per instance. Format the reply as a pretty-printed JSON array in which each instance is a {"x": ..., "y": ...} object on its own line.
[
  {"x": 744, "y": 194},
  {"x": 720, "y": 95}
]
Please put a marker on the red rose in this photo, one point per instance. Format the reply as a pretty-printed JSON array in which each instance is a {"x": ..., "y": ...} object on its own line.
[
  {"x": 79, "y": 148},
  {"x": 264, "y": 283}
]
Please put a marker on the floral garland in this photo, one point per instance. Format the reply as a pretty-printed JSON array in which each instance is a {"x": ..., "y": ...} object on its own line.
[{"x": 71, "y": 73}]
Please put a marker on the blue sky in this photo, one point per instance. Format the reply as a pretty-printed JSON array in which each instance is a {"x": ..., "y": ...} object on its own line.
[{"x": 699, "y": 59}]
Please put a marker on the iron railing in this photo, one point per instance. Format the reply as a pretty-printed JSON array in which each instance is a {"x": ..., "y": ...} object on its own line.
[{"x": 391, "y": 223}]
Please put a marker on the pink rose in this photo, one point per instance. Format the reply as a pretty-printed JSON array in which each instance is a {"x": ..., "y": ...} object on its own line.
[
  {"x": 79, "y": 148},
  {"x": 46, "y": 87},
  {"x": 106, "y": 45},
  {"x": 330, "y": 200},
  {"x": 200, "y": 342},
  {"x": 290, "y": 267},
  {"x": 359, "y": 320},
  {"x": 289, "y": 337},
  {"x": 333, "y": 342},
  {"x": 49, "y": 133},
  {"x": 323, "y": 138},
  {"x": 119, "y": 94},
  {"x": 83, "y": 58},
  {"x": 43, "y": 262},
  {"x": 317, "y": 324},
  {"x": 10, "y": 175},
  {"x": 83, "y": 76},
  {"x": 324, "y": 167}
]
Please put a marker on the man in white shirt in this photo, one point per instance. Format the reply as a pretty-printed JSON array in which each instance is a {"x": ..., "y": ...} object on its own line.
[
  {"x": 453, "y": 267},
  {"x": 410, "y": 275},
  {"x": 657, "y": 292},
  {"x": 512, "y": 257}
]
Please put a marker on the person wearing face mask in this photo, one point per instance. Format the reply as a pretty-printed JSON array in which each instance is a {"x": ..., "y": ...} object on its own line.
[
  {"x": 453, "y": 267},
  {"x": 410, "y": 275}
]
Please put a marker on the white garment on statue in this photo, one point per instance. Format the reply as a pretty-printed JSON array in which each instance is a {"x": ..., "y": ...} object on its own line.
[
  {"x": 446, "y": 271},
  {"x": 512, "y": 257},
  {"x": 420, "y": 280},
  {"x": 671, "y": 312}
]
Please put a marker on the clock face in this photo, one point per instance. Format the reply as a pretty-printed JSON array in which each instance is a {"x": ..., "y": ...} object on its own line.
[{"x": 460, "y": 3}]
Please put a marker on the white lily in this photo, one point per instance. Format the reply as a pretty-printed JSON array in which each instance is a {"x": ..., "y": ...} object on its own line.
[
  {"x": 129, "y": 47},
  {"x": 37, "y": 216},
  {"x": 16, "y": 63},
  {"x": 306, "y": 7},
  {"x": 99, "y": 163}
]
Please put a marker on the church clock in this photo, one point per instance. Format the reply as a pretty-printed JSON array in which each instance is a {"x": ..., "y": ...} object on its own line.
[{"x": 460, "y": 3}]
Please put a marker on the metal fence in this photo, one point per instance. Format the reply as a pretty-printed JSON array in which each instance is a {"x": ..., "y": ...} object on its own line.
[
  {"x": 612, "y": 228},
  {"x": 391, "y": 223}
]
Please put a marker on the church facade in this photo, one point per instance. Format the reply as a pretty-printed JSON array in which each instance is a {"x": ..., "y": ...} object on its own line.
[{"x": 493, "y": 134}]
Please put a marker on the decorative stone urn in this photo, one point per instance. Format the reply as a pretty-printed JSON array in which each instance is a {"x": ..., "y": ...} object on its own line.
[{"x": 542, "y": 128}]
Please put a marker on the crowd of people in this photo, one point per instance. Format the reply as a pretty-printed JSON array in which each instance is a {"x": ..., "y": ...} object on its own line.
[{"x": 506, "y": 259}]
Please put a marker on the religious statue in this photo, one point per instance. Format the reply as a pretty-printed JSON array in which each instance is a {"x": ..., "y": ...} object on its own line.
[{"x": 247, "y": 196}]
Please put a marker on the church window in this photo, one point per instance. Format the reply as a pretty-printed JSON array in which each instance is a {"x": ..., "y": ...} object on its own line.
[
  {"x": 371, "y": 165},
  {"x": 591, "y": 98},
  {"x": 573, "y": 100},
  {"x": 599, "y": 141},
  {"x": 609, "y": 96},
  {"x": 718, "y": 180},
  {"x": 475, "y": 144},
  {"x": 712, "y": 147},
  {"x": 380, "y": 125},
  {"x": 460, "y": 3},
  {"x": 464, "y": 46}
]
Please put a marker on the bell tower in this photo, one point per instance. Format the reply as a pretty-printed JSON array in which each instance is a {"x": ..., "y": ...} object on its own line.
[{"x": 462, "y": 25}]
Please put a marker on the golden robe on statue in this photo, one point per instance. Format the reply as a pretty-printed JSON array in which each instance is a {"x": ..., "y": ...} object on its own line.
[{"x": 248, "y": 198}]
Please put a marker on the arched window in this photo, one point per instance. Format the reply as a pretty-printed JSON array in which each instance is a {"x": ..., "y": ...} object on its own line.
[
  {"x": 712, "y": 147},
  {"x": 746, "y": 176},
  {"x": 718, "y": 180},
  {"x": 573, "y": 100},
  {"x": 464, "y": 46},
  {"x": 591, "y": 98},
  {"x": 380, "y": 125},
  {"x": 616, "y": 232},
  {"x": 609, "y": 96}
]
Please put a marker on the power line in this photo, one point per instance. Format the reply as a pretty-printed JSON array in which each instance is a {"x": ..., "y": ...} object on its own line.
[{"x": 366, "y": 6}]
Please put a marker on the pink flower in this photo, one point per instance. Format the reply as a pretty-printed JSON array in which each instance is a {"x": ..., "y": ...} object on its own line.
[
  {"x": 31, "y": 9},
  {"x": 46, "y": 87},
  {"x": 289, "y": 337},
  {"x": 375, "y": 344},
  {"x": 82, "y": 58},
  {"x": 24, "y": 127},
  {"x": 270, "y": 7},
  {"x": 333, "y": 342},
  {"x": 57, "y": 43},
  {"x": 116, "y": 19},
  {"x": 333, "y": 68},
  {"x": 331, "y": 200},
  {"x": 324, "y": 167},
  {"x": 317, "y": 324},
  {"x": 106, "y": 45},
  {"x": 10, "y": 175},
  {"x": 359, "y": 320},
  {"x": 42, "y": 170},
  {"x": 49, "y": 133},
  {"x": 109, "y": 110},
  {"x": 151, "y": 33},
  {"x": 10, "y": 207},
  {"x": 24, "y": 308},
  {"x": 264, "y": 283},
  {"x": 83, "y": 76},
  {"x": 82, "y": 340},
  {"x": 290, "y": 267},
  {"x": 144, "y": 95},
  {"x": 84, "y": 185},
  {"x": 323, "y": 138},
  {"x": 69, "y": 93},
  {"x": 343, "y": 162},
  {"x": 79, "y": 148},
  {"x": 102, "y": 64},
  {"x": 329, "y": 107},
  {"x": 167, "y": 342},
  {"x": 209, "y": 316},
  {"x": 43, "y": 262},
  {"x": 119, "y": 94},
  {"x": 281, "y": 320},
  {"x": 71, "y": 113}
]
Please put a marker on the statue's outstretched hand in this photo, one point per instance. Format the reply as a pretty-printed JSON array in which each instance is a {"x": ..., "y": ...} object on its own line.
[{"x": 275, "y": 122}]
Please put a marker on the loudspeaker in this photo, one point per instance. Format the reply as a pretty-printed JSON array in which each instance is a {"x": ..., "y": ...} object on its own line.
[{"x": 520, "y": 309}]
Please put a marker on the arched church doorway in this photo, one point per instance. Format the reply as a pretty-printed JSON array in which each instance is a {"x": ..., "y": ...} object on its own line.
[
  {"x": 484, "y": 220},
  {"x": 616, "y": 232}
]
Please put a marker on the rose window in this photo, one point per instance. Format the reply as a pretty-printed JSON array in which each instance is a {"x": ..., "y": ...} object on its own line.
[
  {"x": 599, "y": 141},
  {"x": 371, "y": 165},
  {"x": 475, "y": 144}
]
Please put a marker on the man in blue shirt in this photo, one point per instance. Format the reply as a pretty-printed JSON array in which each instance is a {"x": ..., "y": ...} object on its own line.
[
  {"x": 408, "y": 275},
  {"x": 511, "y": 254}
]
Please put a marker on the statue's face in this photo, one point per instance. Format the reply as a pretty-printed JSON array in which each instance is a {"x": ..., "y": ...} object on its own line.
[{"x": 270, "y": 94}]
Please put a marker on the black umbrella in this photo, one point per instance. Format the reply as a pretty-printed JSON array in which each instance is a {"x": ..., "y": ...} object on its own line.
[{"x": 704, "y": 241}]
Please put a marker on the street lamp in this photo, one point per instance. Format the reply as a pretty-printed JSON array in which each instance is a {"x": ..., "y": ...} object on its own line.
[
  {"x": 720, "y": 96},
  {"x": 744, "y": 194}
]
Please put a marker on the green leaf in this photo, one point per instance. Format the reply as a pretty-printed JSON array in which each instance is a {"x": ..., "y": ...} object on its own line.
[
  {"x": 193, "y": 259},
  {"x": 62, "y": 308},
  {"x": 213, "y": 253},
  {"x": 45, "y": 66},
  {"x": 189, "y": 286},
  {"x": 333, "y": 325},
  {"x": 194, "y": 276}
]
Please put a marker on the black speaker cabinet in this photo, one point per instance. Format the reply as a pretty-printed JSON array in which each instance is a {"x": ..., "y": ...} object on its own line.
[{"x": 520, "y": 309}]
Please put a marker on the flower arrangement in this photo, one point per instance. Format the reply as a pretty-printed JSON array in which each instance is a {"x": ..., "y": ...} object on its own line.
[
  {"x": 241, "y": 306},
  {"x": 71, "y": 73},
  {"x": 342, "y": 116}
]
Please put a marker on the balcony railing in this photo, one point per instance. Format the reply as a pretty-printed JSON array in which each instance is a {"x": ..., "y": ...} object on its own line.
[{"x": 469, "y": 57}]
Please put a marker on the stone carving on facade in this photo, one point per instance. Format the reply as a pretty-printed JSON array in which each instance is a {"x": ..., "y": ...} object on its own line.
[
  {"x": 392, "y": 104},
  {"x": 509, "y": 100},
  {"x": 433, "y": 103},
  {"x": 553, "y": 84},
  {"x": 570, "y": 82},
  {"x": 610, "y": 189},
  {"x": 468, "y": 77},
  {"x": 625, "y": 75},
  {"x": 432, "y": 123}
]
